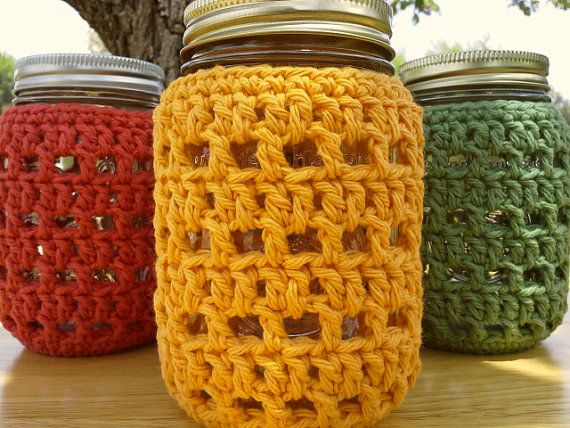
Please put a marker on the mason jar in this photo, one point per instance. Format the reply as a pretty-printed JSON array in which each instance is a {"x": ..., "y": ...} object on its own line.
[
  {"x": 497, "y": 202},
  {"x": 289, "y": 166},
  {"x": 76, "y": 182}
]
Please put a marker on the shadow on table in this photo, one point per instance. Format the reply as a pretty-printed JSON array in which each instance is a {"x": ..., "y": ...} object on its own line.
[
  {"x": 123, "y": 389},
  {"x": 526, "y": 389}
]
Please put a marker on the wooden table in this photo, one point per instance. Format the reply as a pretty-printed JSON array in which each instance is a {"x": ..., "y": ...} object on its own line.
[{"x": 528, "y": 389}]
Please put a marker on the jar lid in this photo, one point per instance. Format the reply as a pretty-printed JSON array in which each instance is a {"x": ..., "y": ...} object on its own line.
[
  {"x": 209, "y": 21},
  {"x": 475, "y": 71},
  {"x": 96, "y": 79}
]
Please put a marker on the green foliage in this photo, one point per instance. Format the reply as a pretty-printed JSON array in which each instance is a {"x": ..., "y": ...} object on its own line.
[
  {"x": 397, "y": 62},
  {"x": 426, "y": 7},
  {"x": 6, "y": 79},
  {"x": 562, "y": 104},
  {"x": 442, "y": 46},
  {"x": 529, "y": 6}
]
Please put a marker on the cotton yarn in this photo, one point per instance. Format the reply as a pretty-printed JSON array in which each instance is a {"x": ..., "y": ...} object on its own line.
[
  {"x": 227, "y": 379},
  {"x": 495, "y": 234},
  {"x": 76, "y": 238}
]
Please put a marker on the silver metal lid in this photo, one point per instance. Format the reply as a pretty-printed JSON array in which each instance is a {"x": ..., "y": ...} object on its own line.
[
  {"x": 476, "y": 72},
  {"x": 86, "y": 78},
  {"x": 209, "y": 21}
]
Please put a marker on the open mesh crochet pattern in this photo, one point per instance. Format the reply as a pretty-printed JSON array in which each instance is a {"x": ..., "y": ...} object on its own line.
[
  {"x": 496, "y": 228},
  {"x": 76, "y": 237},
  {"x": 227, "y": 379}
]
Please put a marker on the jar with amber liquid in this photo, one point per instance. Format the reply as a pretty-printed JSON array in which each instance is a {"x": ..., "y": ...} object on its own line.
[
  {"x": 289, "y": 172},
  {"x": 76, "y": 181},
  {"x": 496, "y": 224}
]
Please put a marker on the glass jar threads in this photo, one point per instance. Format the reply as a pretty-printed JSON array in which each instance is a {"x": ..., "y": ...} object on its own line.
[
  {"x": 289, "y": 168},
  {"x": 497, "y": 203},
  {"x": 76, "y": 181}
]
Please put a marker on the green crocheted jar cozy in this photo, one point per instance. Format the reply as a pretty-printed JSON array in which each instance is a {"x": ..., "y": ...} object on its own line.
[{"x": 496, "y": 225}]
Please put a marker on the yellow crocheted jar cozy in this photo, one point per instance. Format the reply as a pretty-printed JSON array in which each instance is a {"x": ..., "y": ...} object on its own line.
[{"x": 222, "y": 375}]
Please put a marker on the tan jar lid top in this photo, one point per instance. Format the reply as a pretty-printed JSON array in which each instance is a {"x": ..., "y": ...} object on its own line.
[
  {"x": 209, "y": 21},
  {"x": 74, "y": 76},
  {"x": 484, "y": 69}
]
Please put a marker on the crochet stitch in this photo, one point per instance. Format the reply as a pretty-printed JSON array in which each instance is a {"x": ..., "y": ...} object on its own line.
[
  {"x": 222, "y": 376},
  {"x": 495, "y": 236},
  {"x": 76, "y": 239}
]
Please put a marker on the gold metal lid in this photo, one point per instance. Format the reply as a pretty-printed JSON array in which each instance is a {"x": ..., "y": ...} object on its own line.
[
  {"x": 209, "y": 21},
  {"x": 476, "y": 72},
  {"x": 96, "y": 79}
]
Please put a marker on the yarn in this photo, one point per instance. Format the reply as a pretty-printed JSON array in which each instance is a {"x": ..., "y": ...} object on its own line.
[
  {"x": 495, "y": 234},
  {"x": 76, "y": 239},
  {"x": 223, "y": 376}
]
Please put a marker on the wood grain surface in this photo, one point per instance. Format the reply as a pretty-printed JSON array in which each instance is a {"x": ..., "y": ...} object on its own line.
[{"x": 528, "y": 389}]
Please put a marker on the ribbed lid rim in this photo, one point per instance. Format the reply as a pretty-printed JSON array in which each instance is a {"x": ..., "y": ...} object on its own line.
[
  {"x": 37, "y": 64},
  {"x": 198, "y": 8},
  {"x": 456, "y": 59}
]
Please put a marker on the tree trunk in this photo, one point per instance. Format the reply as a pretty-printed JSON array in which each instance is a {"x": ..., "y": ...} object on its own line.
[{"x": 146, "y": 29}]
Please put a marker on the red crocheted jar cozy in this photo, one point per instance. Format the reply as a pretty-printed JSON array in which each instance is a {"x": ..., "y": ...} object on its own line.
[{"x": 76, "y": 237}]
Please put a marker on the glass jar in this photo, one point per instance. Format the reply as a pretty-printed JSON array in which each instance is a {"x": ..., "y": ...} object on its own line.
[
  {"x": 289, "y": 171},
  {"x": 76, "y": 181},
  {"x": 495, "y": 234}
]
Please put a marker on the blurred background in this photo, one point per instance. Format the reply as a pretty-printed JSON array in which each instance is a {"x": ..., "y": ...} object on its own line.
[{"x": 152, "y": 29}]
